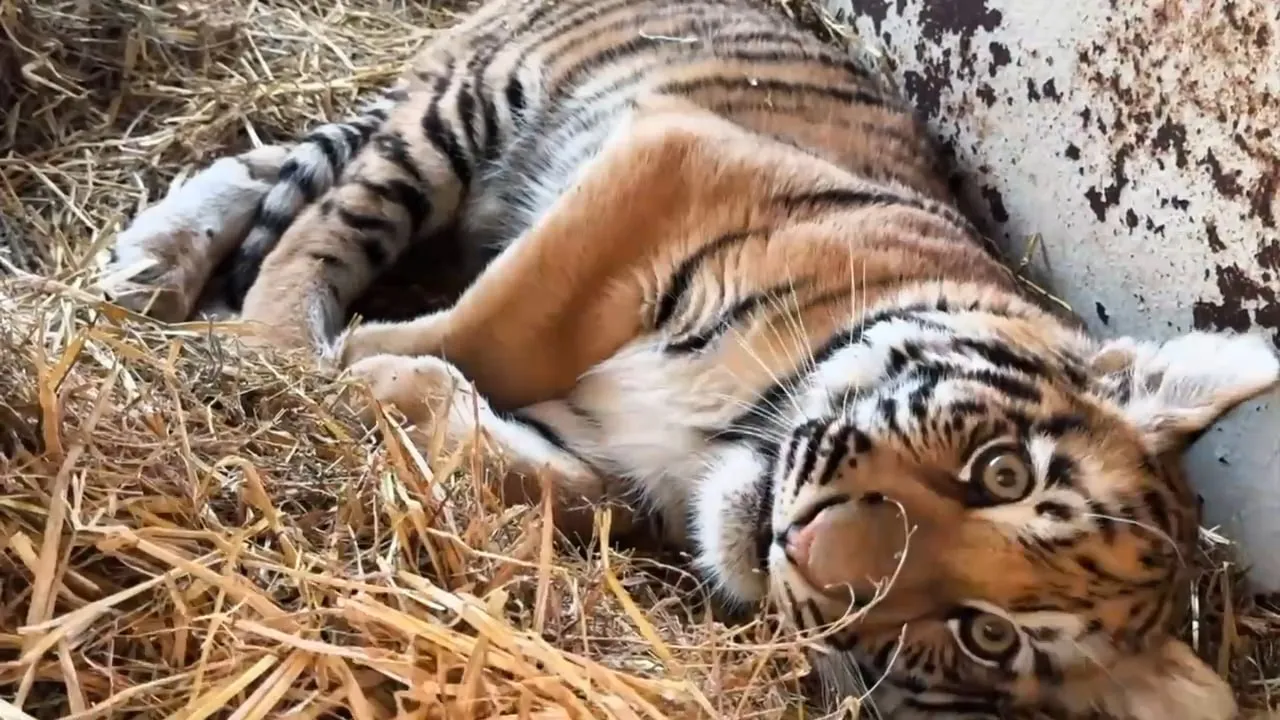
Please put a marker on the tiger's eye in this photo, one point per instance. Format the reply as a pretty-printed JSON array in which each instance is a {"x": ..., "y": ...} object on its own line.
[
  {"x": 989, "y": 637},
  {"x": 1005, "y": 477}
]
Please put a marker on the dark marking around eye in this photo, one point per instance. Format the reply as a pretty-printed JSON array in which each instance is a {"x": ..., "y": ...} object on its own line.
[
  {"x": 883, "y": 655},
  {"x": 1060, "y": 425},
  {"x": 1021, "y": 421},
  {"x": 1061, "y": 472},
  {"x": 1056, "y": 510},
  {"x": 1044, "y": 634},
  {"x": 1045, "y": 669}
]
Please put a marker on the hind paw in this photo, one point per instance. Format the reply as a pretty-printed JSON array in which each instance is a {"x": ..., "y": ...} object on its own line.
[
  {"x": 151, "y": 281},
  {"x": 159, "y": 265}
]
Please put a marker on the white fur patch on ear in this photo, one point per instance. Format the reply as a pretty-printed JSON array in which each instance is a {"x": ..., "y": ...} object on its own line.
[{"x": 1173, "y": 390}]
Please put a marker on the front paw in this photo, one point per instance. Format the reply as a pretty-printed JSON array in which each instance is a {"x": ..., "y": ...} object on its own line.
[
  {"x": 421, "y": 388},
  {"x": 417, "y": 337}
]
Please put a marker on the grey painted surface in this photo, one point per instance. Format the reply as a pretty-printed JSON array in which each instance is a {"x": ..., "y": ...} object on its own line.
[{"x": 1141, "y": 141}]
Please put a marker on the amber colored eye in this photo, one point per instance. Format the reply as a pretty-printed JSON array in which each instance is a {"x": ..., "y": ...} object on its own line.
[
  {"x": 1004, "y": 476},
  {"x": 989, "y": 637}
]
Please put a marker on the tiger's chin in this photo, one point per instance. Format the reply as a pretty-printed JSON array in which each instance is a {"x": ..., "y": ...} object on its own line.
[{"x": 732, "y": 527}]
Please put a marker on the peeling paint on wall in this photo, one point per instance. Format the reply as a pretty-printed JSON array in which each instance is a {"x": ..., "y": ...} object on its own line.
[{"x": 1141, "y": 141}]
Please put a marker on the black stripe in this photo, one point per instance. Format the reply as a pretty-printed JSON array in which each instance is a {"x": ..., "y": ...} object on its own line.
[
  {"x": 776, "y": 56},
  {"x": 271, "y": 221},
  {"x": 677, "y": 24},
  {"x": 440, "y": 135},
  {"x": 845, "y": 198},
  {"x": 366, "y": 126},
  {"x": 813, "y": 511},
  {"x": 1060, "y": 425},
  {"x": 299, "y": 176},
  {"x": 749, "y": 85},
  {"x": 1091, "y": 566},
  {"x": 393, "y": 148},
  {"x": 365, "y": 223},
  {"x": 839, "y": 449},
  {"x": 414, "y": 201},
  {"x": 764, "y": 508},
  {"x": 1002, "y": 356},
  {"x": 853, "y": 335},
  {"x": 1102, "y": 516},
  {"x": 1061, "y": 472},
  {"x": 809, "y": 458},
  {"x": 543, "y": 430},
  {"x": 374, "y": 253},
  {"x": 541, "y": 27},
  {"x": 957, "y": 706},
  {"x": 353, "y": 137},
  {"x": 489, "y": 115},
  {"x": 678, "y": 285},
  {"x": 465, "y": 105},
  {"x": 327, "y": 147},
  {"x": 1158, "y": 509},
  {"x": 1159, "y": 611},
  {"x": 515, "y": 97},
  {"x": 849, "y": 198},
  {"x": 699, "y": 339}
]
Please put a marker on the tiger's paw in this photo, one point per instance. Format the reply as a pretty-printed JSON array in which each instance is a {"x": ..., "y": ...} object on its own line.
[
  {"x": 426, "y": 390},
  {"x": 160, "y": 264},
  {"x": 145, "y": 271},
  {"x": 420, "y": 336}
]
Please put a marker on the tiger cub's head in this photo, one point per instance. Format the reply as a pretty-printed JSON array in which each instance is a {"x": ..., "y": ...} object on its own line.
[{"x": 981, "y": 512}]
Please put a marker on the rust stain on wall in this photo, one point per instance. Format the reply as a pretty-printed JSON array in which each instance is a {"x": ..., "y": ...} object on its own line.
[{"x": 1168, "y": 68}]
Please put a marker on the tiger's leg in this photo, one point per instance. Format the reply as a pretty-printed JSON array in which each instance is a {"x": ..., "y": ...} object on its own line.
[
  {"x": 530, "y": 455},
  {"x": 160, "y": 264},
  {"x": 407, "y": 183},
  {"x": 582, "y": 282}
]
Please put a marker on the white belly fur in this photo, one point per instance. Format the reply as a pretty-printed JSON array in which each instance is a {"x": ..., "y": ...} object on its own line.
[{"x": 651, "y": 412}]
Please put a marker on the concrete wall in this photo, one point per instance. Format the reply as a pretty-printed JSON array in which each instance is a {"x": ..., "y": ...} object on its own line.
[{"x": 1141, "y": 140}]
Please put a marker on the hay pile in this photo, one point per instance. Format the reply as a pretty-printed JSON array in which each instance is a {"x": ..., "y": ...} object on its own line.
[{"x": 191, "y": 531}]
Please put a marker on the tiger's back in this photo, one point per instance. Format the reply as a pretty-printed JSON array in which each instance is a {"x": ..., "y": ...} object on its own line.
[
  {"x": 517, "y": 97},
  {"x": 568, "y": 71}
]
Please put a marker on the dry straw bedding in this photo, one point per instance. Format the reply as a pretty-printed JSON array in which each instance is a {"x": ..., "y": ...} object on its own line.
[{"x": 190, "y": 531}]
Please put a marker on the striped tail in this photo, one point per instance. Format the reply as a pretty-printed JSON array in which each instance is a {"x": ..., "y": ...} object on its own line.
[{"x": 313, "y": 166}]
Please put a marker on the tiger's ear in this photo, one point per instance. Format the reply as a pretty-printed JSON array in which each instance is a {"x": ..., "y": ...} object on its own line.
[
  {"x": 1165, "y": 682},
  {"x": 1173, "y": 391}
]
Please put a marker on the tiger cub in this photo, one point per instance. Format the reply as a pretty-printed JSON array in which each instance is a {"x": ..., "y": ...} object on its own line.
[{"x": 719, "y": 276}]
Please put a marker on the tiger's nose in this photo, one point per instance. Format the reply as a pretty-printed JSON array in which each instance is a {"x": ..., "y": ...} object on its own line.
[{"x": 797, "y": 541}]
